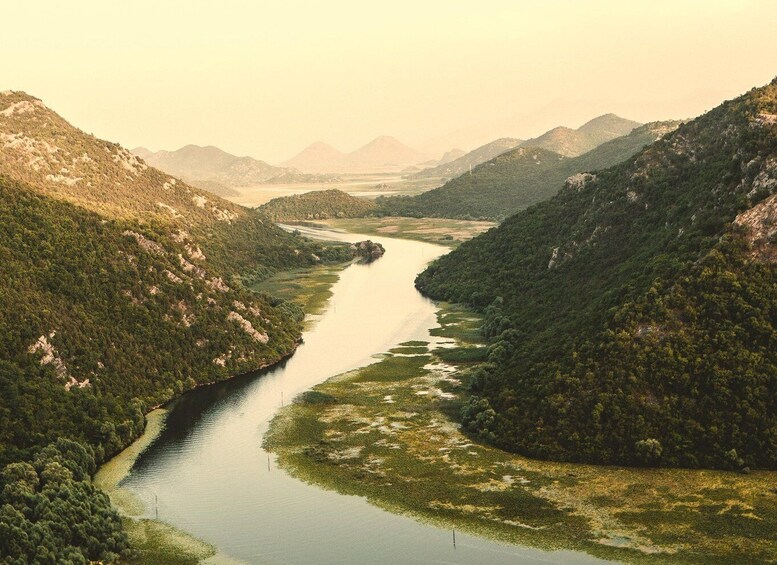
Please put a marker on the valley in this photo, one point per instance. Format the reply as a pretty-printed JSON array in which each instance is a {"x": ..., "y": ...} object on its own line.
[{"x": 418, "y": 282}]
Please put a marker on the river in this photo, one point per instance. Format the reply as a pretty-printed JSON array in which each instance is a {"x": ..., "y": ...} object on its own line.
[{"x": 207, "y": 474}]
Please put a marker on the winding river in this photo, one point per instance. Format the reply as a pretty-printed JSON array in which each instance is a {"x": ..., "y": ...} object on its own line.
[{"x": 207, "y": 474}]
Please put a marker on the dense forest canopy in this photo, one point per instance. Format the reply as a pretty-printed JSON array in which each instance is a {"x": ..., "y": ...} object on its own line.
[
  {"x": 315, "y": 205},
  {"x": 634, "y": 314}
]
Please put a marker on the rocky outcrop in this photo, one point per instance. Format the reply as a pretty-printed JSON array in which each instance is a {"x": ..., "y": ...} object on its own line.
[
  {"x": 368, "y": 251},
  {"x": 760, "y": 221}
]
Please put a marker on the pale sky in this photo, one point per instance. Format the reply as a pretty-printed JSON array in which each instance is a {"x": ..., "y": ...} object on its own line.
[{"x": 266, "y": 78}]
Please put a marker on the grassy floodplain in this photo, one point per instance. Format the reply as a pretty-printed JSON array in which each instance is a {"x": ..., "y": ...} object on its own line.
[
  {"x": 310, "y": 288},
  {"x": 388, "y": 432},
  {"x": 439, "y": 231}
]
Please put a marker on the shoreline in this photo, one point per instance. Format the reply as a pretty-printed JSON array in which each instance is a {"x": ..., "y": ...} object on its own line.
[
  {"x": 163, "y": 539},
  {"x": 391, "y": 438}
]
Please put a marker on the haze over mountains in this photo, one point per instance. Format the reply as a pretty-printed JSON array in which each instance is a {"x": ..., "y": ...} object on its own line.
[
  {"x": 209, "y": 165},
  {"x": 462, "y": 164},
  {"x": 519, "y": 177},
  {"x": 218, "y": 171},
  {"x": 562, "y": 140},
  {"x": 382, "y": 154}
]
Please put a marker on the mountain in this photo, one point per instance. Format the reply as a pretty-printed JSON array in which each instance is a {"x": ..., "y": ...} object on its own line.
[
  {"x": 573, "y": 142},
  {"x": 451, "y": 155},
  {"x": 202, "y": 165},
  {"x": 317, "y": 204},
  {"x": 515, "y": 179},
  {"x": 121, "y": 287},
  {"x": 456, "y": 167},
  {"x": 319, "y": 157},
  {"x": 382, "y": 154},
  {"x": 385, "y": 151},
  {"x": 633, "y": 315}
]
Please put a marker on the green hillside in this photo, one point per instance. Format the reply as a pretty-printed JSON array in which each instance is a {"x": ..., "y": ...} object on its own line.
[
  {"x": 120, "y": 288},
  {"x": 315, "y": 205},
  {"x": 633, "y": 315},
  {"x": 517, "y": 179}
]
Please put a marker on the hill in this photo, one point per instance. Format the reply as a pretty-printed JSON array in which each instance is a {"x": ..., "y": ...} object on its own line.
[
  {"x": 384, "y": 151},
  {"x": 382, "y": 154},
  {"x": 317, "y": 204},
  {"x": 462, "y": 164},
  {"x": 573, "y": 142},
  {"x": 449, "y": 156},
  {"x": 43, "y": 152},
  {"x": 210, "y": 164},
  {"x": 121, "y": 288},
  {"x": 319, "y": 157},
  {"x": 633, "y": 314},
  {"x": 516, "y": 179}
]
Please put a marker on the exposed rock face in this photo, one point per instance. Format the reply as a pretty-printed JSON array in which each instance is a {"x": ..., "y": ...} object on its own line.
[
  {"x": 579, "y": 180},
  {"x": 761, "y": 223},
  {"x": 51, "y": 357},
  {"x": 248, "y": 327},
  {"x": 368, "y": 250}
]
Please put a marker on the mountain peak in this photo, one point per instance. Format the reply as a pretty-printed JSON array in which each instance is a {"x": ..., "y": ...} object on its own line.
[
  {"x": 382, "y": 153},
  {"x": 608, "y": 124}
]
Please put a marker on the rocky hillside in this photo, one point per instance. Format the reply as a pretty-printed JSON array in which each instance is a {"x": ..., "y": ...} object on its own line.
[
  {"x": 44, "y": 153},
  {"x": 112, "y": 315},
  {"x": 318, "y": 204},
  {"x": 122, "y": 286},
  {"x": 634, "y": 314},
  {"x": 517, "y": 178},
  {"x": 200, "y": 165}
]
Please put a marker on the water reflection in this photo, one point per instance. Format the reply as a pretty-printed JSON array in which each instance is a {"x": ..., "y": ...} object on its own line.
[{"x": 211, "y": 478}]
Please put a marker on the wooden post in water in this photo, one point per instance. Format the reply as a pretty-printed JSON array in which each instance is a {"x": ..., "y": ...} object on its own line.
[
  {"x": 268, "y": 462},
  {"x": 454, "y": 538},
  {"x": 156, "y": 506}
]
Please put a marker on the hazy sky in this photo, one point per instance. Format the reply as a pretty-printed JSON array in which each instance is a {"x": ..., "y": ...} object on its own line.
[{"x": 266, "y": 78}]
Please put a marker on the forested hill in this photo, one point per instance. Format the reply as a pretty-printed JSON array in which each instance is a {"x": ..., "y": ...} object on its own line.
[
  {"x": 517, "y": 179},
  {"x": 316, "y": 204},
  {"x": 634, "y": 314},
  {"x": 120, "y": 288},
  {"x": 127, "y": 277},
  {"x": 44, "y": 152}
]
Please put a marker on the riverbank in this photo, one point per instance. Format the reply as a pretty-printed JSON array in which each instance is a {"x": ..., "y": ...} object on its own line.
[
  {"x": 151, "y": 541},
  {"x": 388, "y": 432},
  {"x": 154, "y": 541}
]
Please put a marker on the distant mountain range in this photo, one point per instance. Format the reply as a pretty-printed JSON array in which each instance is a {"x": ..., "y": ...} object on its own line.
[
  {"x": 517, "y": 178},
  {"x": 573, "y": 142},
  {"x": 382, "y": 154},
  {"x": 463, "y": 163},
  {"x": 216, "y": 170},
  {"x": 562, "y": 140}
]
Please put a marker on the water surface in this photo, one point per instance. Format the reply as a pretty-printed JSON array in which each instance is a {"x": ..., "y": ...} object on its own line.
[{"x": 211, "y": 477}]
